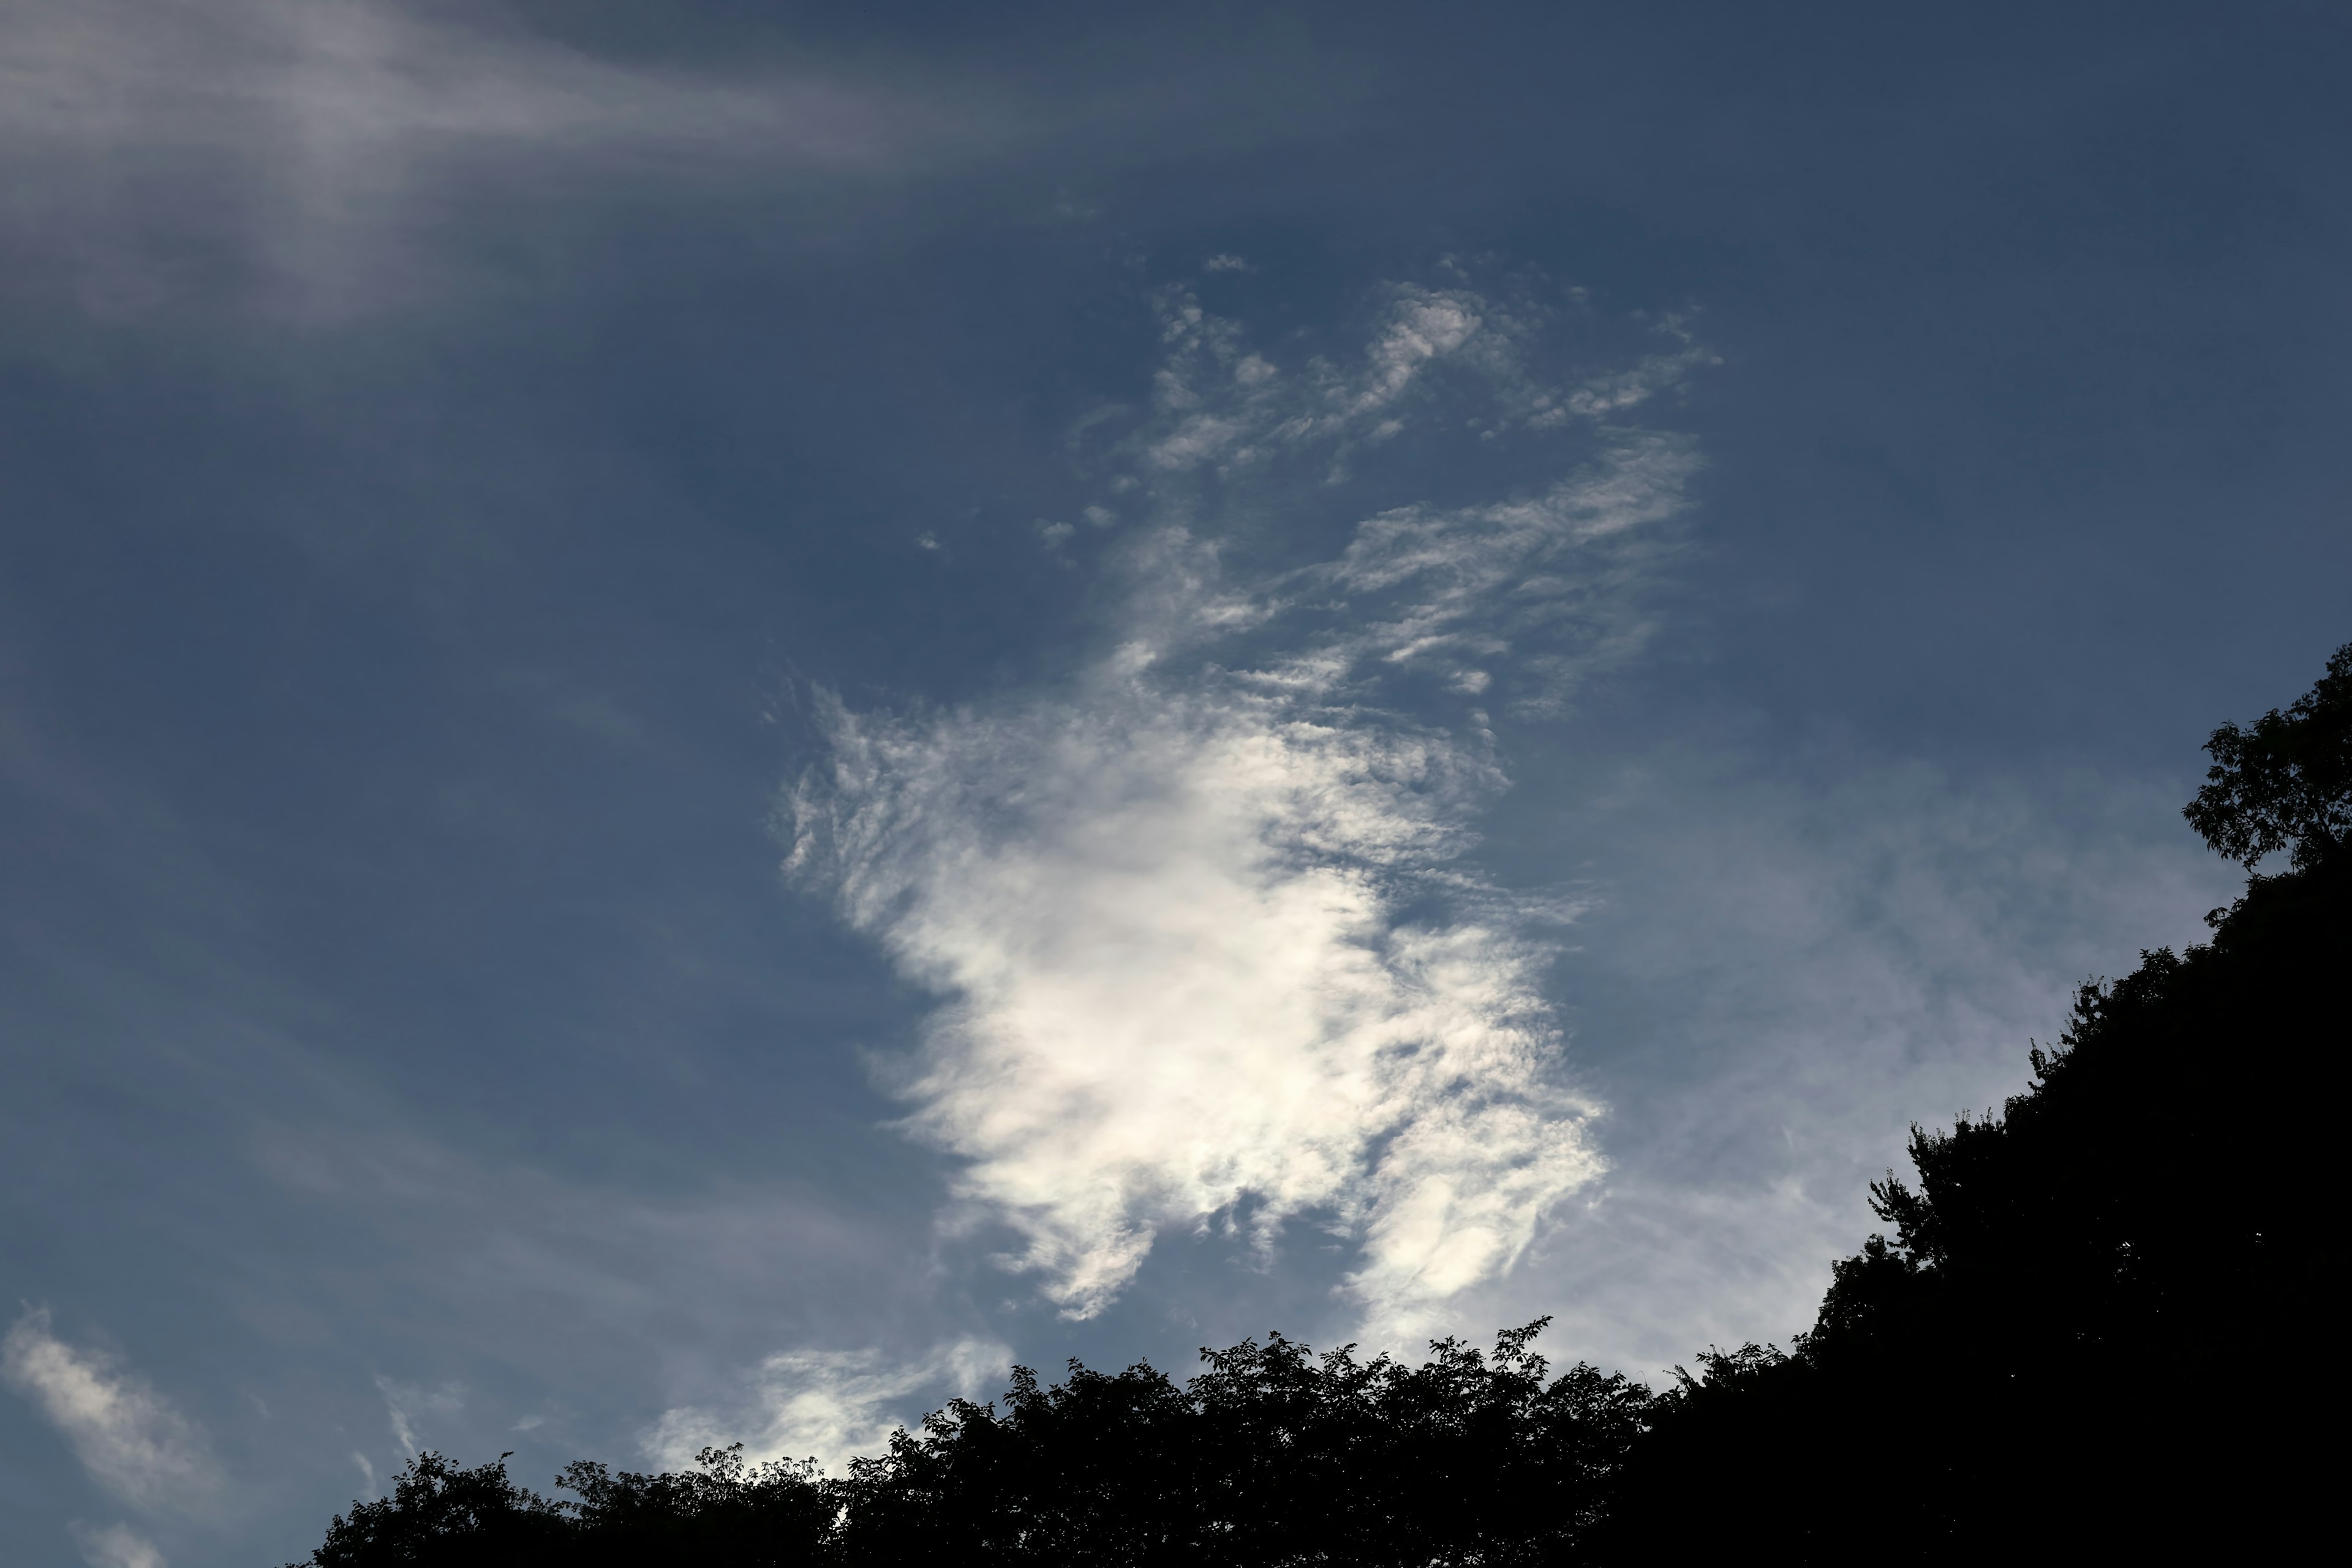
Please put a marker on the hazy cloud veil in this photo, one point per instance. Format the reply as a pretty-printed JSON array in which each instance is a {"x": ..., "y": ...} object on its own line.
[{"x": 1210, "y": 950}]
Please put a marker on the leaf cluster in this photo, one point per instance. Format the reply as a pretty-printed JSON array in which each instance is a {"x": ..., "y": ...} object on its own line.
[
  {"x": 2284, "y": 782},
  {"x": 1272, "y": 1456}
]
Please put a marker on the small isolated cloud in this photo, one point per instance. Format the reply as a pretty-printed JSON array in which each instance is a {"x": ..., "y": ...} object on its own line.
[
  {"x": 828, "y": 1405},
  {"x": 130, "y": 1439},
  {"x": 1226, "y": 261},
  {"x": 405, "y": 1403},
  {"x": 116, "y": 1546},
  {"x": 1213, "y": 954}
]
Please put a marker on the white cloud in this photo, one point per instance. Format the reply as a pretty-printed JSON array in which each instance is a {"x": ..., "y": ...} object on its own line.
[
  {"x": 129, "y": 1438},
  {"x": 116, "y": 1546},
  {"x": 826, "y": 1404},
  {"x": 1223, "y": 407},
  {"x": 404, "y": 1403},
  {"x": 1445, "y": 589},
  {"x": 1210, "y": 952}
]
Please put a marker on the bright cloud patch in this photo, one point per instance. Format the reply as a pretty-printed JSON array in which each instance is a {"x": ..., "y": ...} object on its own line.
[
  {"x": 1212, "y": 951},
  {"x": 824, "y": 1405},
  {"x": 128, "y": 1437}
]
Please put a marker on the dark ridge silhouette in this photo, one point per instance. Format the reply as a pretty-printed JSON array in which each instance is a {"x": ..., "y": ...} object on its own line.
[{"x": 2088, "y": 1335}]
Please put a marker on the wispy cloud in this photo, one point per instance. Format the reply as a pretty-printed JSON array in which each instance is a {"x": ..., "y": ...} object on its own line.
[
  {"x": 116, "y": 1546},
  {"x": 1221, "y": 404},
  {"x": 1212, "y": 953},
  {"x": 130, "y": 1439},
  {"x": 826, "y": 1404},
  {"x": 405, "y": 1403},
  {"x": 367, "y": 72},
  {"x": 318, "y": 145},
  {"x": 326, "y": 159}
]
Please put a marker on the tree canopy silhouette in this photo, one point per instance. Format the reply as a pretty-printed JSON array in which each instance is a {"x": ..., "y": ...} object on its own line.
[
  {"x": 2284, "y": 782},
  {"x": 1272, "y": 1456}
]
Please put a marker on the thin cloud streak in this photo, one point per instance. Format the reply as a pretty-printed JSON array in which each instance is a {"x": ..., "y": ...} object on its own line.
[
  {"x": 358, "y": 73},
  {"x": 131, "y": 1440},
  {"x": 1211, "y": 955},
  {"x": 322, "y": 161},
  {"x": 404, "y": 1404},
  {"x": 309, "y": 154}
]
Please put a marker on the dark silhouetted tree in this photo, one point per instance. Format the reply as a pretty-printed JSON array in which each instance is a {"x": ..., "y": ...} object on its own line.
[
  {"x": 450, "y": 1518},
  {"x": 1273, "y": 1456},
  {"x": 2285, "y": 781},
  {"x": 727, "y": 1514},
  {"x": 1270, "y": 1455}
]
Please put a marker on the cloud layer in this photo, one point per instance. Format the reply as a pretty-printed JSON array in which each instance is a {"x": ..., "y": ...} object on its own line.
[
  {"x": 130, "y": 1439},
  {"x": 1210, "y": 952},
  {"x": 314, "y": 154}
]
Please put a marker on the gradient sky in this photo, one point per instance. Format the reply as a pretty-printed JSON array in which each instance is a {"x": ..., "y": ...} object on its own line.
[{"x": 712, "y": 715}]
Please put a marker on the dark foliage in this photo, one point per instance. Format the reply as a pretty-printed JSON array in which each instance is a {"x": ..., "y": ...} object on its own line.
[
  {"x": 728, "y": 1513},
  {"x": 440, "y": 1514},
  {"x": 2287, "y": 782},
  {"x": 767, "y": 1516},
  {"x": 2087, "y": 1337},
  {"x": 1272, "y": 1456}
]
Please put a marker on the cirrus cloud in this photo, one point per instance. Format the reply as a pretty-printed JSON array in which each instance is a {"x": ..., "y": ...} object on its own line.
[
  {"x": 133, "y": 1441},
  {"x": 1210, "y": 950}
]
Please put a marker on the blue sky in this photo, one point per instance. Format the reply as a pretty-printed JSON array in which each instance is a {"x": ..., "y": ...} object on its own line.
[{"x": 712, "y": 715}]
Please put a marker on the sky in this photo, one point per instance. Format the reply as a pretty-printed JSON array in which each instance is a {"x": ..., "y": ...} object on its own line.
[{"x": 714, "y": 716}]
